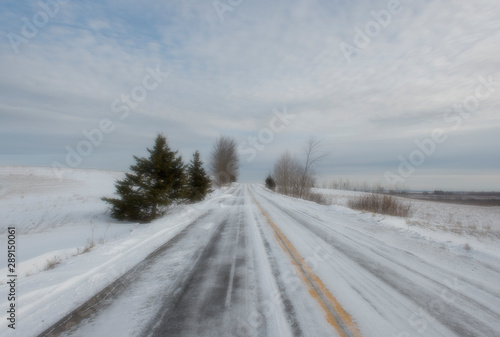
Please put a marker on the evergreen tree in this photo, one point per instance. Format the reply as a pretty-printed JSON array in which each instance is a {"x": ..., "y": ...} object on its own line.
[
  {"x": 154, "y": 182},
  {"x": 270, "y": 183},
  {"x": 198, "y": 181}
]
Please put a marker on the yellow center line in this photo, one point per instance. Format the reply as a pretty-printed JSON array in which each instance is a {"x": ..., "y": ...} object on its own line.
[{"x": 335, "y": 314}]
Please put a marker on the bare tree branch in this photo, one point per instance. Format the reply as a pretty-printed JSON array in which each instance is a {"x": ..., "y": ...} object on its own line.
[{"x": 311, "y": 151}]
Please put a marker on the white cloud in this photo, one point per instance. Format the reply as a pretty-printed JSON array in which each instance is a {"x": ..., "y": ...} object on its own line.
[{"x": 227, "y": 77}]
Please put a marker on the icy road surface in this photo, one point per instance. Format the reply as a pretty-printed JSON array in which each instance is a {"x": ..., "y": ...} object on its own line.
[{"x": 261, "y": 264}]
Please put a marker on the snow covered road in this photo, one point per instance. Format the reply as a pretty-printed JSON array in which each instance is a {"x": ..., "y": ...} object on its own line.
[
  {"x": 223, "y": 275},
  {"x": 251, "y": 262}
]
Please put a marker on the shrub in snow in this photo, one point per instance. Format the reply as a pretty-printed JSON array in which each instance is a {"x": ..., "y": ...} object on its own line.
[
  {"x": 383, "y": 204},
  {"x": 270, "y": 183}
]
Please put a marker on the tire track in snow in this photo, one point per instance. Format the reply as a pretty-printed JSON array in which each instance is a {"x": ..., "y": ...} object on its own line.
[
  {"x": 105, "y": 297},
  {"x": 233, "y": 268},
  {"x": 335, "y": 314},
  {"x": 171, "y": 318},
  {"x": 202, "y": 295},
  {"x": 286, "y": 302}
]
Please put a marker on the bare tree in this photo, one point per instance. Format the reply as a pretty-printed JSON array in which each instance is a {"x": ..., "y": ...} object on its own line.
[
  {"x": 294, "y": 178},
  {"x": 312, "y": 157},
  {"x": 224, "y": 161},
  {"x": 288, "y": 174}
]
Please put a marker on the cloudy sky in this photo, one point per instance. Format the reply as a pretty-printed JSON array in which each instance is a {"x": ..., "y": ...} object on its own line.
[{"x": 398, "y": 91}]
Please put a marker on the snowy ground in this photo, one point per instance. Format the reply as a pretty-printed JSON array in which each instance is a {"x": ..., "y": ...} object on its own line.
[
  {"x": 434, "y": 274},
  {"x": 475, "y": 226},
  {"x": 56, "y": 222}
]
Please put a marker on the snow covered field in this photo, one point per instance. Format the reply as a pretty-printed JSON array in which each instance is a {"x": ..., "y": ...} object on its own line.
[
  {"x": 478, "y": 227},
  {"x": 433, "y": 274}
]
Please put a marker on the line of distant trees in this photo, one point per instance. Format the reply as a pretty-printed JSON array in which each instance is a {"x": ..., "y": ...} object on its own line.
[
  {"x": 162, "y": 179},
  {"x": 362, "y": 186}
]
